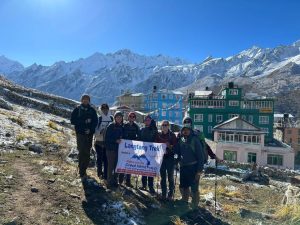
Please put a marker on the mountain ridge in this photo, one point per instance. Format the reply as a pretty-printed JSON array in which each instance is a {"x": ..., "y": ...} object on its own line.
[{"x": 105, "y": 75}]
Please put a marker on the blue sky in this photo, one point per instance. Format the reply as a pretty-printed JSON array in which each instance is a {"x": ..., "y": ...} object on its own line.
[{"x": 46, "y": 31}]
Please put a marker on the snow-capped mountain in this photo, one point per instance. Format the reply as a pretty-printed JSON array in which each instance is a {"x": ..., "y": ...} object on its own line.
[
  {"x": 104, "y": 76},
  {"x": 8, "y": 66}
]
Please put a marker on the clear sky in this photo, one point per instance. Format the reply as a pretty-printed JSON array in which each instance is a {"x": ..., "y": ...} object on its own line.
[{"x": 46, "y": 31}]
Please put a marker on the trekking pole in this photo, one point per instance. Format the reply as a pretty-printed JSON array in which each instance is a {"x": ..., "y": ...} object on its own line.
[
  {"x": 176, "y": 171},
  {"x": 216, "y": 186},
  {"x": 157, "y": 180}
]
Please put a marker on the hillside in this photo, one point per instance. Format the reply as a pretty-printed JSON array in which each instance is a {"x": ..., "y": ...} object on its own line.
[{"x": 39, "y": 183}]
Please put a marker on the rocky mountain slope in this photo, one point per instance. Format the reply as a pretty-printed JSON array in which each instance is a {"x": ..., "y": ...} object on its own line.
[
  {"x": 39, "y": 181},
  {"x": 269, "y": 71}
]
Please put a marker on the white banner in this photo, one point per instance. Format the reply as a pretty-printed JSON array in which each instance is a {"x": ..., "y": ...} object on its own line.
[{"x": 141, "y": 158}]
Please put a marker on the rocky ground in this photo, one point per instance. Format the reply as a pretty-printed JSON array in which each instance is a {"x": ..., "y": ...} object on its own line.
[{"x": 39, "y": 184}]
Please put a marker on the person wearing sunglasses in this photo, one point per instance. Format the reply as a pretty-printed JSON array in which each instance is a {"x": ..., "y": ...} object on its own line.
[
  {"x": 167, "y": 167},
  {"x": 148, "y": 134},
  {"x": 131, "y": 132}
]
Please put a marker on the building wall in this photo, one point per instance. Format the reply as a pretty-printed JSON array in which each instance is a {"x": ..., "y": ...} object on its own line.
[
  {"x": 222, "y": 106},
  {"x": 261, "y": 151},
  {"x": 165, "y": 106},
  {"x": 292, "y": 137},
  {"x": 134, "y": 102}
]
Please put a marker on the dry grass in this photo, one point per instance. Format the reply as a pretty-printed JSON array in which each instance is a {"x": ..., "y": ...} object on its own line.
[
  {"x": 177, "y": 221},
  {"x": 20, "y": 137},
  {"x": 221, "y": 190},
  {"x": 18, "y": 120},
  {"x": 230, "y": 208},
  {"x": 53, "y": 125},
  {"x": 289, "y": 213}
]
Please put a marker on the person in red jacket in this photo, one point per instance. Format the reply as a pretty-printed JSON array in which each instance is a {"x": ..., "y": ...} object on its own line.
[{"x": 168, "y": 163}]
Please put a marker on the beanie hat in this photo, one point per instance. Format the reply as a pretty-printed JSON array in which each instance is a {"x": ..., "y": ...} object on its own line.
[
  {"x": 118, "y": 113},
  {"x": 85, "y": 96}
]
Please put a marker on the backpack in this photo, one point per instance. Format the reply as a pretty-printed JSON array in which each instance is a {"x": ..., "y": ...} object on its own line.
[
  {"x": 201, "y": 137},
  {"x": 101, "y": 136}
]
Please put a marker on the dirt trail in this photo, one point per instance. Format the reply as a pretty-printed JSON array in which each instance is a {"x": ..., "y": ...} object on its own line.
[{"x": 30, "y": 207}]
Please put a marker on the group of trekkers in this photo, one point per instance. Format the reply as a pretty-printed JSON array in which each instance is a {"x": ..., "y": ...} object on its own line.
[{"x": 106, "y": 131}]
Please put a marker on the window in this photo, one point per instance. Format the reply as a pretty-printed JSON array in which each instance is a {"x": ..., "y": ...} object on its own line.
[
  {"x": 164, "y": 105},
  {"x": 237, "y": 138},
  {"x": 265, "y": 129},
  {"x": 210, "y": 118},
  {"x": 219, "y": 118},
  {"x": 209, "y": 129},
  {"x": 289, "y": 131},
  {"x": 275, "y": 160},
  {"x": 170, "y": 96},
  {"x": 232, "y": 115},
  {"x": 170, "y": 113},
  {"x": 221, "y": 137},
  {"x": 163, "y": 113},
  {"x": 198, "y": 117},
  {"x": 163, "y": 96},
  {"x": 251, "y": 157},
  {"x": 234, "y": 103},
  {"x": 177, "y": 114},
  {"x": 233, "y": 92},
  {"x": 263, "y": 120},
  {"x": 198, "y": 127},
  {"x": 230, "y": 155},
  {"x": 229, "y": 137},
  {"x": 250, "y": 119}
]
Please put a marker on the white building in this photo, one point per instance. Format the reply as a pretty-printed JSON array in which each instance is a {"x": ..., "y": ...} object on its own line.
[{"x": 240, "y": 141}]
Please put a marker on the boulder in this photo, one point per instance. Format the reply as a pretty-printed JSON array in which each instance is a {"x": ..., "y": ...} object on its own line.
[{"x": 35, "y": 148}]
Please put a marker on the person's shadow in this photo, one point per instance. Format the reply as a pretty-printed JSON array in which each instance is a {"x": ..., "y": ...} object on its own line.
[{"x": 95, "y": 197}]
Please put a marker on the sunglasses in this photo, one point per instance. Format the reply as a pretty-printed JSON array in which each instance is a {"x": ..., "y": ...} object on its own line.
[
  {"x": 165, "y": 125},
  {"x": 132, "y": 117}
]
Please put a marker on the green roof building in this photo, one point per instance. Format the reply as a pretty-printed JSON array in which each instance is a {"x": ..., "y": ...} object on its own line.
[{"x": 208, "y": 110}]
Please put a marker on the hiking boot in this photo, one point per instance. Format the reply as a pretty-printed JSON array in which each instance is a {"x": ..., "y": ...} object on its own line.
[
  {"x": 170, "y": 196},
  {"x": 162, "y": 198},
  {"x": 152, "y": 191}
]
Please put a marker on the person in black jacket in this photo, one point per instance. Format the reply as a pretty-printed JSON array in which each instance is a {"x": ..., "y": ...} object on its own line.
[
  {"x": 113, "y": 136},
  {"x": 85, "y": 119},
  {"x": 167, "y": 167},
  {"x": 131, "y": 132},
  {"x": 148, "y": 134},
  {"x": 189, "y": 152}
]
